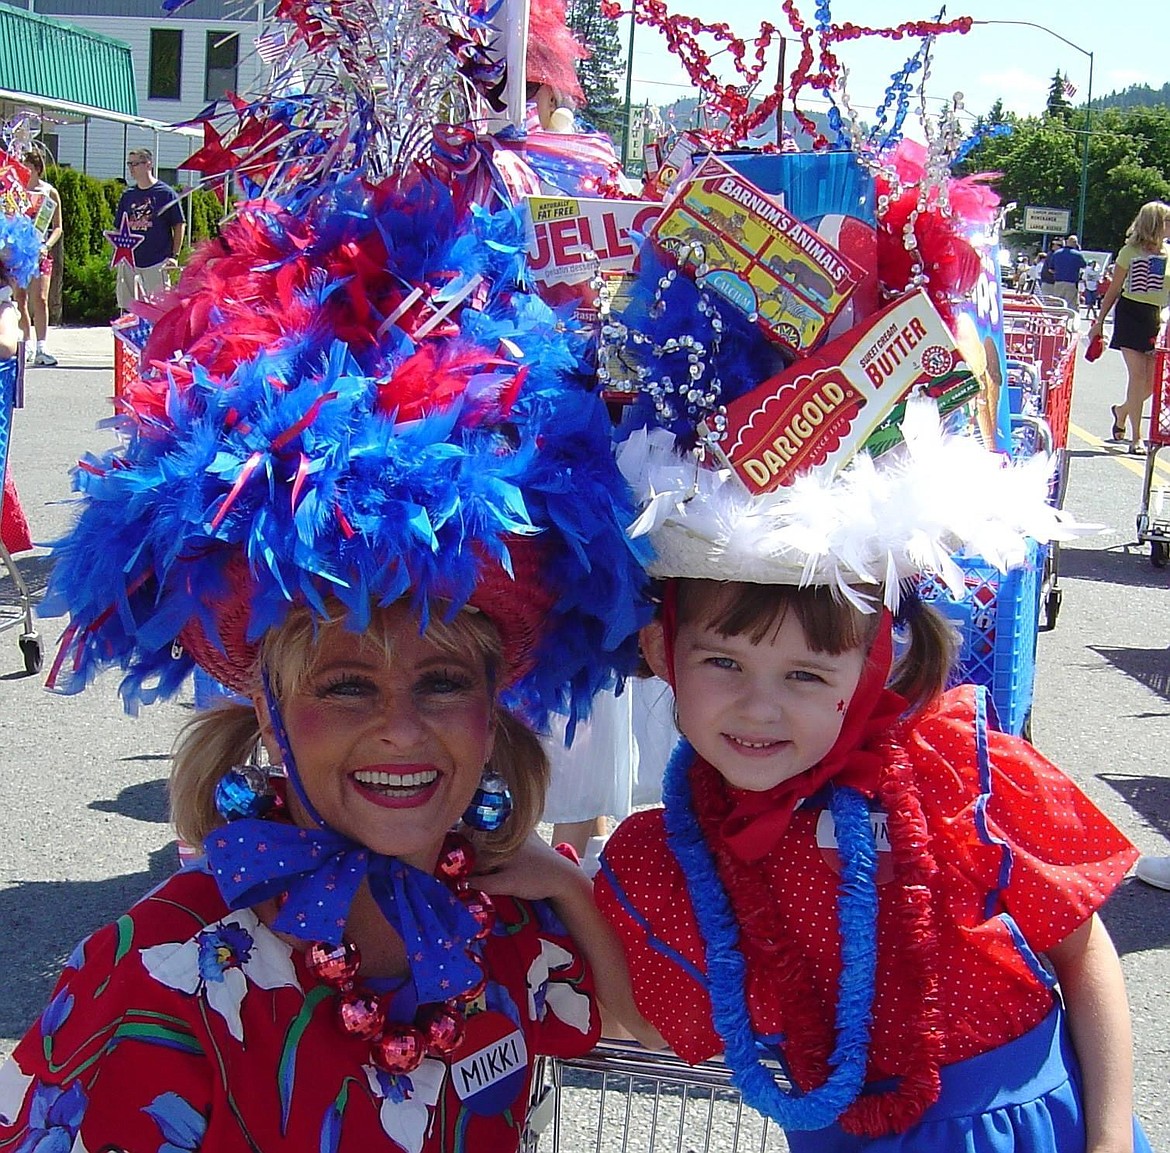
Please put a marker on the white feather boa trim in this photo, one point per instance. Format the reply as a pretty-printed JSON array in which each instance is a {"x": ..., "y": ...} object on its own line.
[{"x": 934, "y": 497}]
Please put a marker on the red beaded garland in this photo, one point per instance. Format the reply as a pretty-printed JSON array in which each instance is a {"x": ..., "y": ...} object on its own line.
[
  {"x": 400, "y": 1049},
  {"x": 480, "y": 906},
  {"x": 439, "y": 1027},
  {"x": 336, "y": 965},
  {"x": 730, "y": 100},
  {"x": 361, "y": 1014},
  {"x": 457, "y": 858},
  {"x": 443, "y": 1027}
]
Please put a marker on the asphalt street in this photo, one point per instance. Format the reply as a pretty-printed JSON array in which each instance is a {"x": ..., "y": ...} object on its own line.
[{"x": 83, "y": 825}]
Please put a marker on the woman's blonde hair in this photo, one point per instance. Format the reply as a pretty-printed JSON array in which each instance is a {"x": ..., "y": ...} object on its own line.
[
  {"x": 231, "y": 735},
  {"x": 1148, "y": 228},
  {"x": 830, "y": 624}
]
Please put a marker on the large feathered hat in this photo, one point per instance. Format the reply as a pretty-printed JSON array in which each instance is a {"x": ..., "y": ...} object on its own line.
[{"x": 351, "y": 395}]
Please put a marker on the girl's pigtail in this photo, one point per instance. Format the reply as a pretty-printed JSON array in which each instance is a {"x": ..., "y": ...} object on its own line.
[{"x": 923, "y": 670}]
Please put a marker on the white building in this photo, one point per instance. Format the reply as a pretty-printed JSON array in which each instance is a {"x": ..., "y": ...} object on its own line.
[{"x": 182, "y": 62}]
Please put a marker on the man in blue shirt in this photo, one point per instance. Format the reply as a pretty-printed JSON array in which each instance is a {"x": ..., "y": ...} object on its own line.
[
  {"x": 1068, "y": 263},
  {"x": 152, "y": 211}
]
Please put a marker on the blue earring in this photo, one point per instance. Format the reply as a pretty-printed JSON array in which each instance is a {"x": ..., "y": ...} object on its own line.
[
  {"x": 492, "y": 804},
  {"x": 245, "y": 791}
]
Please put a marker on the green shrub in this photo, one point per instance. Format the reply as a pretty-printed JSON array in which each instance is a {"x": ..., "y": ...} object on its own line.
[
  {"x": 76, "y": 218},
  {"x": 88, "y": 295}
]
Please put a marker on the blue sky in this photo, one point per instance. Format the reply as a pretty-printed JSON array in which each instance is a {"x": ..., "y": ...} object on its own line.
[{"x": 1128, "y": 40}]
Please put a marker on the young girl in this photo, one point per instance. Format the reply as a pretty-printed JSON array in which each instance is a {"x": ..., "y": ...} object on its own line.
[
  {"x": 1140, "y": 288},
  {"x": 855, "y": 876}
]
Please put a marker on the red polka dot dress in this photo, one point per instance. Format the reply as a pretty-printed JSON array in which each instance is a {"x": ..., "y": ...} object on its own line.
[{"x": 1023, "y": 859}]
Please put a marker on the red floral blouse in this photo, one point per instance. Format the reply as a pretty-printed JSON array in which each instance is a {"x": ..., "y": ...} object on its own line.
[{"x": 185, "y": 1026}]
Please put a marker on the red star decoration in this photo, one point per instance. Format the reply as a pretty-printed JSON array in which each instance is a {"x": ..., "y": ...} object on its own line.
[
  {"x": 840, "y": 706},
  {"x": 125, "y": 240},
  {"x": 212, "y": 159}
]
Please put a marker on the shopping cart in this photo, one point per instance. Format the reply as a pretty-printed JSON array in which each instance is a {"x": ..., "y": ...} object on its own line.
[
  {"x": 11, "y": 376},
  {"x": 130, "y": 333},
  {"x": 1153, "y": 521},
  {"x": 624, "y": 1097},
  {"x": 1040, "y": 338}
]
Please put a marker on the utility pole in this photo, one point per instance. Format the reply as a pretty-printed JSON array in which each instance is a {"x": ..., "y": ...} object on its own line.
[{"x": 629, "y": 92}]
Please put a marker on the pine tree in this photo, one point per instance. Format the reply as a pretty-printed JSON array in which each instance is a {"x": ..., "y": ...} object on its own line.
[
  {"x": 1058, "y": 105},
  {"x": 601, "y": 72}
]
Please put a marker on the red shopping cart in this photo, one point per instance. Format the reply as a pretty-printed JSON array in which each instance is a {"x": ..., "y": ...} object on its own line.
[{"x": 1040, "y": 338}]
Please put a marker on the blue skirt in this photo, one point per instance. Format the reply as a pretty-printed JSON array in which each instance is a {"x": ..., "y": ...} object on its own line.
[{"x": 1024, "y": 1096}]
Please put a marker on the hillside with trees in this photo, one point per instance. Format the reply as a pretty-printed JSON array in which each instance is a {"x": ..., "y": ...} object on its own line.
[{"x": 1040, "y": 162}]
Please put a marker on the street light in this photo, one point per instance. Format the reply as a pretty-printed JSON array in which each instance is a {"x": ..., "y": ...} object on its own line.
[{"x": 1088, "y": 110}]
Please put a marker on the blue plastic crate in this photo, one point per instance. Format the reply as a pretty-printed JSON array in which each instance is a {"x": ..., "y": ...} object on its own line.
[{"x": 997, "y": 620}]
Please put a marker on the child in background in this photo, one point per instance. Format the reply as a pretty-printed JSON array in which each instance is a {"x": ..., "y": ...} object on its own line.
[{"x": 854, "y": 874}]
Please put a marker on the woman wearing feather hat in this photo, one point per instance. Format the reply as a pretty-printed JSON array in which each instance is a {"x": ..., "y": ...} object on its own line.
[{"x": 392, "y": 522}]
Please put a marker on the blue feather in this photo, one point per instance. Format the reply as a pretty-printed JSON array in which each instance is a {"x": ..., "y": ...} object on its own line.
[{"x": 20, "y": 249}]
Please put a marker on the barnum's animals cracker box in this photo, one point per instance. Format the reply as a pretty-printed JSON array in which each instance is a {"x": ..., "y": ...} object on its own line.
[
  {"x": 848, "y": 396},
  {"x": 739, "y": 243},
  {"x": 573, "y": 239}
]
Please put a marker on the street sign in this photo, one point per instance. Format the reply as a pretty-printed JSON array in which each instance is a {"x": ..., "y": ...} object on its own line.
[
  {"x": 637, "y": 131},
  {"x": 1051, "y": 220}
]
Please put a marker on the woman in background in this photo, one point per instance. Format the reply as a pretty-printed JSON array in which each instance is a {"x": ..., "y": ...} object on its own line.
[{"x": 1139, "y": 289}]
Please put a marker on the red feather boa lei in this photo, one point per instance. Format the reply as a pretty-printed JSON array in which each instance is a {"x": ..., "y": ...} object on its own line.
[{"x": 774, "y": 961}]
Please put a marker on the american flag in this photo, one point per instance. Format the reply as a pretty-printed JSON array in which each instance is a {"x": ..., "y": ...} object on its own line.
[
  {"x": 271, "y": 46},
  {"x": 1070, "y": 89}
]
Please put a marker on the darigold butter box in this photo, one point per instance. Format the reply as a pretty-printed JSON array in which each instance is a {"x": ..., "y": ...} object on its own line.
[
  {"x": 845, "y": 397},
  {"x": 739, "y": 243}
]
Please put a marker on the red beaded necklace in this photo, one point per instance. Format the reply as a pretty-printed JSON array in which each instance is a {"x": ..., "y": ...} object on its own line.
[{"x": 438, "y": 1028}]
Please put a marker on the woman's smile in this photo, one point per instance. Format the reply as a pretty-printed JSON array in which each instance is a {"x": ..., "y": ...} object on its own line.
[{"x": 397, "y": 786}]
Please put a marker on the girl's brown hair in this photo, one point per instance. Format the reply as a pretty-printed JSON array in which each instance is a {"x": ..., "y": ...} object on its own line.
[
  {"x": 230, "y": 735},
  {"x": 831, "y": 625}
]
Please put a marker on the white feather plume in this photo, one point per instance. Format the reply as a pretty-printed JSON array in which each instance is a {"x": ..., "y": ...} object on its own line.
[{"x": 934, "y": 497}]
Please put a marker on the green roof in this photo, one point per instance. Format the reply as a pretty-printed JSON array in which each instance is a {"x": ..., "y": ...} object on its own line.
[{"x": 49, "y": 58}]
